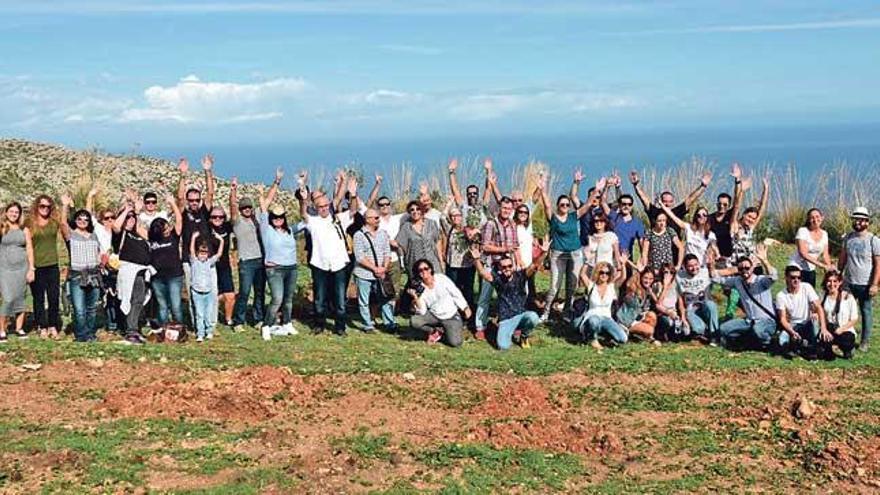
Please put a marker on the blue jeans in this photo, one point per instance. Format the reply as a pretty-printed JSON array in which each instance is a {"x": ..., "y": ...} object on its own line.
[
  {"x": 481, "y": 317},
  {"x": 809, "y": 332},
  {"x": 282, "y": 285},
  {"x": 251, "y": 274},
  {"x": 168, "y": 297},
  {"x": 202, "y": 303},
  {"x": 860, "y": 292},
  {"x": 327, "y": 282},
  {"x": 85, "y": 307},
  {"x": 741, "y": 332},
  {"x": 703, "y": 319},
  {"x": 598, "y": 326},
  {"x": 523, "y": 322},
  {"x": 387, "y": 309}
]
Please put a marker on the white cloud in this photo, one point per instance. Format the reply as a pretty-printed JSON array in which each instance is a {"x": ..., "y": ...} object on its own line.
[
  {"x": 194, "y": 100},
  {"x": 491, "y": 106},
  {"x": 762, "y": 28}
]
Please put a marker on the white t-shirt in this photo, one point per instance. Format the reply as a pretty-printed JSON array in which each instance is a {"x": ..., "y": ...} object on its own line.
[
  {"x": 391, "y": 225},
  {"x": 526, "y": 238},
  {"x": 146, "y": 219},
  {"x": 329, "y": 249},
  {"x": 105, "y": 238},
  {"x": 444, "y": 300},
  {"x": 601, "y": 248},
  {"x": 693, "y": 289},
  {"x": 697, "y": 243},
  {"x": 849, "y": 311},
  {"x": 814, "y": 248},
  {"x": 797, "y": 305},
  {"x": 599, "y": 305}
]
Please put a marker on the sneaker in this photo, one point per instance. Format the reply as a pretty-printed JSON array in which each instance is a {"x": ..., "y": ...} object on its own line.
[
  {"x": 21, "y": 334},
  {"x": 524, "y": 343},
  {"x": 3, "y": 337},
  {"x": 517, "y": 335},
  {"x": 289, "y": 329},
  {"x": 134, "y": 339},
  {"x": 230, "y": 324},
  {"x": 480, "y": 335},
  {"x": 863, "y": 347},
  {"x": 199, "y": 340},
  {"x": 596, "y": 345},
  {"x": 545, "y": 317},
  {"x": 368, "y": 330},
  {"x": 435, "y": 337},
  {"x": 209, "y": 336},
  {"x": 266, "y": 332},
  {"x": 340, "y": 333}
]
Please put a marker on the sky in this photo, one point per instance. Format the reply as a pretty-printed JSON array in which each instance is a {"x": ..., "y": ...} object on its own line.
[{"x": 118, "y": 72}]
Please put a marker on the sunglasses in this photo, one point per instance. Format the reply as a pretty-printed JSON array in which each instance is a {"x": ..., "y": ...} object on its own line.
[
  {"x": 453, "y": 215},
  {"x": 384, "y": 205},
  {"x": 414, "y": 210},
  {"x": 218, "y": 217},
  {"x": 193, "y": 200},
  {"x": 506, "y": 266},
  {"x": 326, "y": 205},
  {"x": 522, "y": 212},
  {"x": 473, "y": 194},
  {"x": 246, "y": 208},
  {"x": 82, "y": 219},
  {"x": 743, "y": 268},
  {"x": 105, "y": 219},
  {"x": 373, "y": 217},
  {"x": 44, "y": 207},
  {"x": 564, "y": 205},
  {"x": 702, "y": 215},
  {"x": 150, "y": 202},
  {"x": 626, "y": 204},
  {"x": 424, "y": 269},
  {"x": 604, "y": 272}
]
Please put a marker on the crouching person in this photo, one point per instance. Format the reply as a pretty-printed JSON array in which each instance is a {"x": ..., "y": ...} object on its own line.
[
  {"x": 437, "y": 303},
  {"x": 841, "y": 315},
  {"x": 795, "y": 306},
  {"x": 596, "y": 320},
  {"x": 759, "y": 326},
  {"x": 514, "y": 322}
]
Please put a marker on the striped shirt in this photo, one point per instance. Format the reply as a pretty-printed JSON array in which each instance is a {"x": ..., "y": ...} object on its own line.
[
  {"x": 85, "y": 251},
  {"x": 362, "y": 251}
]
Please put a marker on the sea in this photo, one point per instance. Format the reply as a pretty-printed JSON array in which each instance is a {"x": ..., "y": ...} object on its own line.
[{"x": 811, "y": 149}]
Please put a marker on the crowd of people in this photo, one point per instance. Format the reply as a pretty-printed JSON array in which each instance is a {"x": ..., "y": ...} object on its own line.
[{"x": 137, "y": 263}]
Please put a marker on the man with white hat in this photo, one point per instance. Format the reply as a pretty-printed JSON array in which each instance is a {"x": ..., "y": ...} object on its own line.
[{"x": 860, "y": 264}]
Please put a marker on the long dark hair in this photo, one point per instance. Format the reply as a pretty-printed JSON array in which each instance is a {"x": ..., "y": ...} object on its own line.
[
  {"x": 90, "y": 227},
  {"x": 157, "y": 229}
]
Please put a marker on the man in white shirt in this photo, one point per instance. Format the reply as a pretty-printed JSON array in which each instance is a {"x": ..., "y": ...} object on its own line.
[
  {"x": 694, "y": 284},
  {"x": 329, "y": 261},
  {"x": 795, "y": 306},
  {"x": 150, "y": 210}
]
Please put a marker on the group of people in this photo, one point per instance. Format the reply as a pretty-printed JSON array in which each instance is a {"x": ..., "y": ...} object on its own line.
[{"x": 623, "y": 279}]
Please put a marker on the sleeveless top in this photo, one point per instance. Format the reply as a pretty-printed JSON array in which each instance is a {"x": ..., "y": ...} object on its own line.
[
  {"x": 599, "y": 305},
  {"x": 45, "y": 245}
]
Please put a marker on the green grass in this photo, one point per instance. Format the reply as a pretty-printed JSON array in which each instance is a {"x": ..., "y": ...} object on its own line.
[{"x": 364, "y": 446}]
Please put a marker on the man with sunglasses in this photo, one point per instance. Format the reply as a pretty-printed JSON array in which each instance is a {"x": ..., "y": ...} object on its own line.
[
  {"x": 701, "y": 312},
  {"x": 498, "y": 239},
  {"x": 196, "y": 209},
  {"x": 514, "y": 322},
  {"x": 795, "y": 307},
  {"x": 860, "y": 264},
  {"x": 150, "y": 210},
  {"x": 668, "y": 199},
  {"x": 475, "y": 212},
  {"x": 251, "y": 269},
  {"x": 759, "y": 325},
  {"x": 627, "y": 227}
]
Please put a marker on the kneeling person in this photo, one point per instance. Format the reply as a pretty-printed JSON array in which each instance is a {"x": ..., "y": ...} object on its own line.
[
  {"x": 794, "y": 305},
  {"x": 694, "y": 302},
  {"x": 437, "y": 302},
  {"x": 514, "y": 322}
]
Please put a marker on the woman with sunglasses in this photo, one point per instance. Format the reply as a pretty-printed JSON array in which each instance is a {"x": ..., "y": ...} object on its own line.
[
  {"x": 597, "y": 319},
  {"x": 135, "y": 271},
  {"x": 221, "y": 227},
  {"x": 529, "y": 247},
  {"x": 566, "y": 256},
  {"x": 812, "y": 247},
  {"x": 437, "y": 303},
  {"x": 84, "y": 276},
  {"x": 662, "y": 244},
  {"x": 742, "y": 229},
  {"x": 14, "y": 250},
  {"x": 165, "y": 258},
  {"x": 637, "y": 312},
  {"x": 698, "y": 235},
  {"x": 841, "y": 315},
  {"x": 103, "y": 220},
  {"x": 459, "y": 262},
  {"x": 43, "y": 227},
  {"x": 603, "y": 245}
]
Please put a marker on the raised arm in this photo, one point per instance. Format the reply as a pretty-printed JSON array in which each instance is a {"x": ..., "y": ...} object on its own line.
[
  {"x": 696, "y": 193},
  {"x": 178, "y": 216},
  {"x": 491, "y": 183},
  {"x": 183, "y": 167},
  {"x": 374, "y": 193},
  {"x": 339, "y": 190},
  {"x": 597, "y": 191},
  {"x": 739, "y": 190},
  {"x": 273, "y": 190},
  {"x": 211, "y": 186},
  {"x": 573, "y": 192},
  {"x": 677, "y": 221},
  {"x": 90, "y": 201},
  {"x": 66, "y": 203},
  {"x": 545, "y": 200},
  {"x": 233, "y": 200},
  {"x": 538, "y": 262},
  {"x": 765, "y": 196},
  {"x": 192, "y": 244},
  {"x": 634, "y": 179},
  {"x": 453, "y": 182},
  {"x": 676, "y": 241},
  {"x": 120, "y": 219}
]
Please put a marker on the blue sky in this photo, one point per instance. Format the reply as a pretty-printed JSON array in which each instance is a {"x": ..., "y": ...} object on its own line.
[{"x": 115, "y": 72}]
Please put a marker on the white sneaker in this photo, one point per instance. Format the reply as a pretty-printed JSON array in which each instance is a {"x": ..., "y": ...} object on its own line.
[
  {"x": 544, "y": 318},
  {"x": 209, "y": 336},
  {"x": 266, "y": 332},
  {"x": 290, "y": 329},
  {"x": 199, "y": 339}
]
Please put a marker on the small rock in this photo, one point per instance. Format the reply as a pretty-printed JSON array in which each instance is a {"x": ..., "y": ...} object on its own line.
[
  {"x": 409, "y": 376},
  {"x": 163, "y": 359},
  {"x": 31, "y": 366},
  {"x": 861, "y": 472},
  {"x": 142, "y": 359},
  {"x": 396, "y": 459},
  {"x": 803, "y": 408},
  {"x": 95, "y": 363}
]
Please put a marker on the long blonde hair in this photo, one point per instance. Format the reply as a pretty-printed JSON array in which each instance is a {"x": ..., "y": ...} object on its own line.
[
  {"x": 5, "y": 224},
  {"x": 34, "y": 214},
  {"x": 599, "y": 267}
]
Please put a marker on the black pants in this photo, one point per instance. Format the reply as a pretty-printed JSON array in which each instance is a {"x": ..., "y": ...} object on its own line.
[
  {"x": 809, "y": 277},
  {"x": 846, "y": 342},
  {"x": 463, "y": 278},
  {"x": 46, "y": 287}
]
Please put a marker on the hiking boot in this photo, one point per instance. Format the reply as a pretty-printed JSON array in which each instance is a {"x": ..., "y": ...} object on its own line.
[
  {"x": 848, "y": 354},
  {"x": 480, "y": 335},
  {"x": 435, "y": 337}
]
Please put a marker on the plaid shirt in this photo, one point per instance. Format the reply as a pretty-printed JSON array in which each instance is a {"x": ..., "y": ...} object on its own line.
[
  {"x": 497, "y": 234},
  {"x": 362, "y": 251}
]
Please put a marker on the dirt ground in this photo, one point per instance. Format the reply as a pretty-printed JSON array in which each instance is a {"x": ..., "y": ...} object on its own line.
[{"x": 653, "y": 427}]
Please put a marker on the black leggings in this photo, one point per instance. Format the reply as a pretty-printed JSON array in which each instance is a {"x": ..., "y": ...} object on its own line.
[
  {"x": 46, "y": 286},
  {"x": 845, "y": 342}
]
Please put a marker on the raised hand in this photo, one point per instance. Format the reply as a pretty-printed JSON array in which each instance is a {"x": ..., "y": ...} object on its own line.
[
  {"x": 453, "y": 164},
  {"x": 234, "y": 184},
  {"x": 746, "y": 184},
  {"x": 766, "y": 182},
  {"x": 279, "y": 174},
  {"x": 578, "y": 176},
  {"x": 487, "y": 164},
  {"x": 93, "y": 192},
  {"x": 492, "y": 178},
  {"x": 614, "y": 180},
  {"x": 169, "y": 198},
  {"x": 66, "y": 200},
  {"x": 761, "y": 251},
  {"x": 634, "y": 177},
  {"x": 736, "y": 171},
  {"x": 207, "y": 162},
  {"x": 302, "y": 178},
  {"x": 340, "y": 177},
  {"x": 706, "y": 179},
  {"x": 183, "y": 165},
  {"x": 352, "y": 185},
  {"x": 378, "y": 179},
  {"x": 600, "y": 184}
]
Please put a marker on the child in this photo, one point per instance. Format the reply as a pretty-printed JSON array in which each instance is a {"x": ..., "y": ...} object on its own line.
[{"x": 203, "y": 284}]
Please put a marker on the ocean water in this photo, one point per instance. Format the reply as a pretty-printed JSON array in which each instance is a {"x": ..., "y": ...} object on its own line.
[{"x": 809, "y": 148}]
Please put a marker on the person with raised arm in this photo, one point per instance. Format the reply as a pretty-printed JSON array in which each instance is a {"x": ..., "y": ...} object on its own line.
[
  {"x": 103, "y": 220},
  {"x": 698, "y": 235},
  {"x": 595, "y": 198},
  {"x": 628, "y": 228},
  {"x": 812, "y": 247},
  {"x": 204, "y": 283},
  {"x": 44, "y": 225},
  {"x": 597, "y": 319},
  {"x": 515, "y": 322},
  {"x": 860, "y": 264},
  {"x": 720, "y": 222},
  {"x": 475, "y": 212},
  {"x": 195, "y": 207},
  {"x": 759, "y": 325},
  {"x": 167, "y": 283},
  {"x": 251, "y": 269},
  {"x": 84, "y": 276},
  {"x": 566, "y": 256},
  {"x": 329, "y": 261},
  {"x": 15, "y": 260},
  {"x": 603, "y": 245},
  {"x": 135, "y": 271},
  {"x": 668, "y": 199},
  {"x": 742, "y": 229},
  {"x": 148, "y": 209}
]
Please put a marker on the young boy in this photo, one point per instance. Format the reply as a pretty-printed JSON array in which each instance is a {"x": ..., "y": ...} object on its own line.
[{"x": 203, "y": 284}]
